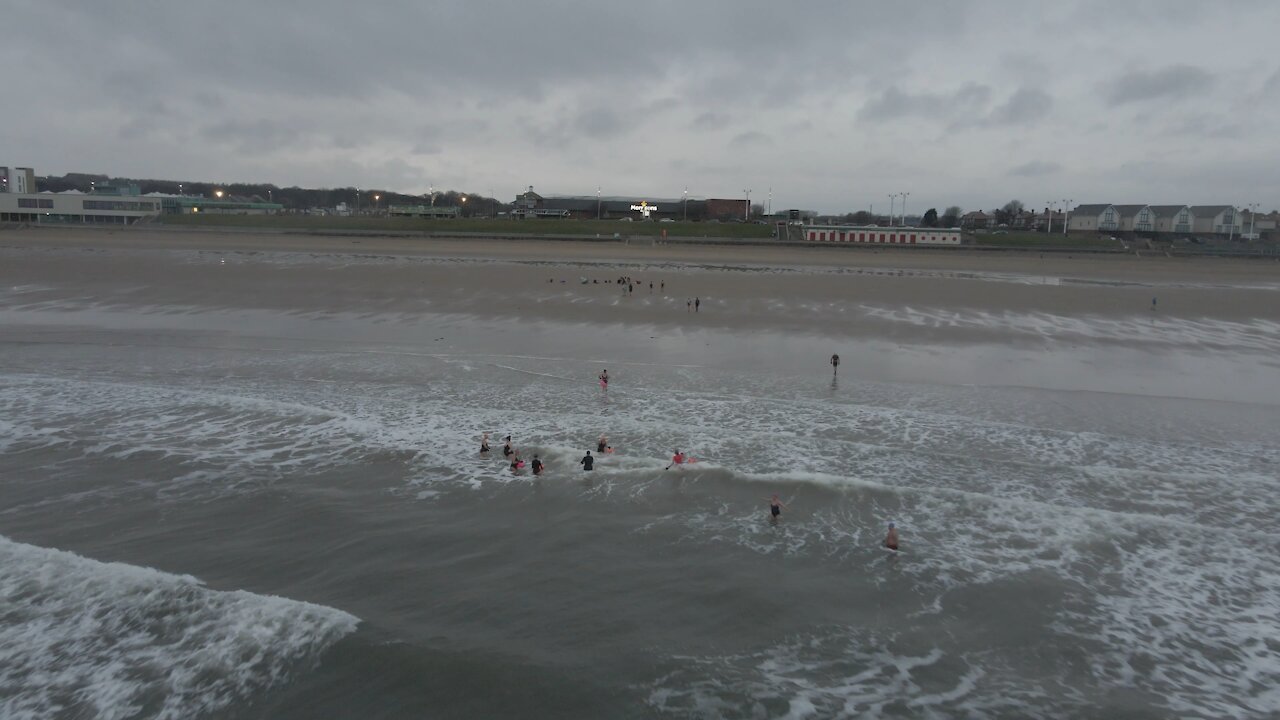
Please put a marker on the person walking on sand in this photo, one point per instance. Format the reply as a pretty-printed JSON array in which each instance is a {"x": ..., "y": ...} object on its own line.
[
  {"x": 891, "y": 538},
  {"x": 775, "y": 507},
  {"x": 697, "y": 303},
  {"x": 688, "y": 305},
  {"x": 604, "y": 380},
  {"x": 484, "y": 443},
  {"x": 587, "y": 462},
  {"x": 835, "y": 364},
  {"x": 663, "y": 286}
]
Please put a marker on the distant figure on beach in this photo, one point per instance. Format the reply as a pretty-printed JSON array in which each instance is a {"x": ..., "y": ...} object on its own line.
[
  {"x": 587, "y": 462},
  {"x": 697, "y": 303},
  {"x": 1153, "y": 304},
  {"x": 604, "y": 380},
  {"x": 677, "y": 459},
  {"x": 775, "y": 506},
  {"x": 650, "y": 287},
  {"x": 506, "y": 447},
  {"x": 484, "y": 443},
  {"x": 537, "y": 465},
  {"x": 629, "y": 288},
  {"x": 688, "y": 305},
  {"x": 835, "y": 364},
  {"x": 602, "y": 445},
  {"x": 891, "y": 537},
  {"x": 663, "y": 286}
]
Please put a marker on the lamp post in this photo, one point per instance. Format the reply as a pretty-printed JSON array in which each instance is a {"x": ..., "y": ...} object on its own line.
[
  {"x": 746, "y": 213},
  {"x": 464, "y": 206},
  {"x": 1048, "y": 210},
  {"x": 217, "y": 194},
  {"x": 1066, "y": 208},
  {"x": 1253, "y": 213},
  {"x": 686, "y": 203},
  {"x": 904, "y": 208},
  {"x": 357, "y": 201},
  {"x": 891, "y": 197},
  {"x": 599, "y": 215}
]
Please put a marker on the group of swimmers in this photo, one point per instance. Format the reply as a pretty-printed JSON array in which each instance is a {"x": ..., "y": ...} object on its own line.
[{"x": 679, "y": 458}]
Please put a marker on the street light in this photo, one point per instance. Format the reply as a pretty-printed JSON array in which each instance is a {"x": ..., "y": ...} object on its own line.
[
  {"x": 1048, "y": 210},
  {"x": 217, "y": 194},
  {"x": 686, "y": 203},
  {"x": 598, "y": 214},
  {"x": 746, "y": 213},
  {"x": 376, "y": 198},
  {"x": 904, "y": 208},
  {"x": 891, "y": 197},
  {"x": 1066, "y": 208}
]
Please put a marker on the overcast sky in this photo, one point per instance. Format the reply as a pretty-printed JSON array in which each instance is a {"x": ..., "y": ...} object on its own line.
[{"x": 834, "y": 104}]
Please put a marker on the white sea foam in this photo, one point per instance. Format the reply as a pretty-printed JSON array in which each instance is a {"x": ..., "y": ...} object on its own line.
[
  {"x": 81, "y": 638},
  {"x": 1156, "y": 329}
]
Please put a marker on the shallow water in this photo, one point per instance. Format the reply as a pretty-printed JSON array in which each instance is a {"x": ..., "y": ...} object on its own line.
[{"x": 1087, "y": 506}]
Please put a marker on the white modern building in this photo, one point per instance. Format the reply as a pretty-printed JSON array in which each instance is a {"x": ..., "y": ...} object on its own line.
[
  {"x": 19, "y": 202},
  {"x": 1215, "y": 220},
  {"x": 1094, "y": 218},
  {"x": 1176, "y": 219},
  {"x": 1136, "y": 218}
]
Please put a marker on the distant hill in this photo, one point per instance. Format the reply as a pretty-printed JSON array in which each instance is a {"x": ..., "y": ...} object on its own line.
[{"x": 294, "y": 198}]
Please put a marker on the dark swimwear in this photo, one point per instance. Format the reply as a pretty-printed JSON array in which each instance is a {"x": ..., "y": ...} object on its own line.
[
  {"x": 775, "y": 510},
  {"x": 484, "y": 447},
  {"x": 537, "y": 467},
  {"x": 587, "y": 462},
  {"x": 600, "y": 447},
  {"x": 506, "y": 450}
]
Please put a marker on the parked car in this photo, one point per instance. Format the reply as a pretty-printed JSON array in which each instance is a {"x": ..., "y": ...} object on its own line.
[
  {"x": 666, "y": 220},
  {"x": 625, "y": 219}
]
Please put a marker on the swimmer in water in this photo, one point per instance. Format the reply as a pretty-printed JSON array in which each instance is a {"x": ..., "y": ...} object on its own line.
[
  {"x": 587, "y": 462},
  {"x": 506, "y": 447},
  {"x": 775, "y": 506},
  {"x": 891, "y": 538},
  {"x": 484, "y": 443},
  {"x": 537, "y": 465},
  {"x": 677, "y": 459},
  {"x": 516, "y": 462},
  {"x": 602, "y": 445}
]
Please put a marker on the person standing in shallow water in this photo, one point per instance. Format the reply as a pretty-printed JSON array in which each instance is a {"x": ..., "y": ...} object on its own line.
[
  {"x": 587, "y": 461},
  {"x": 484, "y": 443},
  {"x": 697, "y": 303},
  {"x": 775, "y": 507},
  {"x": 835, "y": 364},
  {"x": 604, "y": 379}
]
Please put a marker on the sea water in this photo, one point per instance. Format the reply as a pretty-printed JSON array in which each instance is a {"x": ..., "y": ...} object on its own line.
[{"x": 229, "y": 510}]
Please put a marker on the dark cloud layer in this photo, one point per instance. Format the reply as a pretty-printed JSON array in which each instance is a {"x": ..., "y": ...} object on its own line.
[{"x": 827, "y": 101}]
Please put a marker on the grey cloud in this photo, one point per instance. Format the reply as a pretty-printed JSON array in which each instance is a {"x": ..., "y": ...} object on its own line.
[
  {"x": 1026, "y": 105},
  {"x": 750, "y": 138},
  {"x": 600, "y": 122},
  {"x": 893, "y": 103},
  {"x": 1174, "y": 81},
  {"x": 253, "y": 136},
  {"x": 710, "y": 120},
  {"x": 1036, "y": 168}
]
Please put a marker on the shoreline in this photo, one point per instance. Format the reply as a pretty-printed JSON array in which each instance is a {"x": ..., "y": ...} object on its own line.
[{"x": 1073, "y": 265}]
